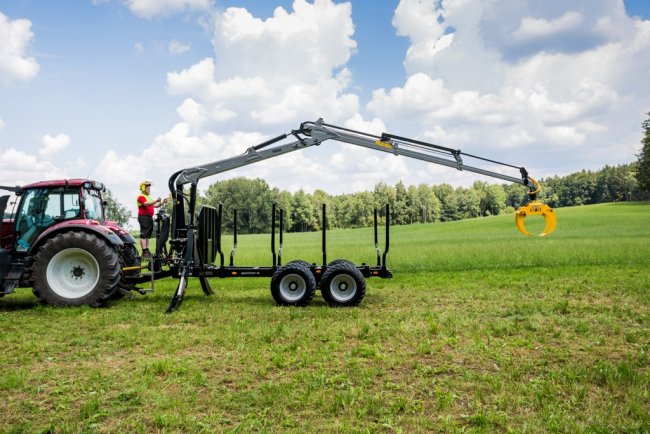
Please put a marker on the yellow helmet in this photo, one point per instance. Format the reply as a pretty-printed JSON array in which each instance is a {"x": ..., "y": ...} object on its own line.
[{"x": 144, "y": 185}]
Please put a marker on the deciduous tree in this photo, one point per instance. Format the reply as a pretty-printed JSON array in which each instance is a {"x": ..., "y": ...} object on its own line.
[
  {"x": 115, "y": 211},
  {"x": 643, "y": 167}
]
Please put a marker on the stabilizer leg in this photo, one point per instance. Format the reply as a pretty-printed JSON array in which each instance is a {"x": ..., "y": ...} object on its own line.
[
  {"x": 178, "y": 295},
  {"x": 205, "y": 285}
]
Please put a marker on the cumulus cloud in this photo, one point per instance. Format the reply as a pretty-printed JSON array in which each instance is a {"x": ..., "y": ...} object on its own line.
[
  {"x": 174, "y": 150},
  {"x": 19, "y": 168},
  {"x": 152, "y": 8},
  {"x": 54, "y": 144},
  {"x": 15, "y": 37},
  {"x": 546, "y": 80},
  {"x": 266, "y": 77},
  {"x": 272, "y": 72},
  {"x": 531, "y": 28},
  {"x": 307, "y": 43}
]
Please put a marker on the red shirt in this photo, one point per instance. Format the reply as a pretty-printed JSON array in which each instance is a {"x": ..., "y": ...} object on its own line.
[{"x": 145, "y": 209}]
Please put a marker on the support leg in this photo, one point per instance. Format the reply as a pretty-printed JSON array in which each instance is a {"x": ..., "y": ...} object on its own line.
[
  {"x": 205, "y": 285},
  {"x": 178, "y": 295}
]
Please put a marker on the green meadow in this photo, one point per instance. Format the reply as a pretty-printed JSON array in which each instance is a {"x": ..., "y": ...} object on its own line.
[{"x": 481, "y": 330}]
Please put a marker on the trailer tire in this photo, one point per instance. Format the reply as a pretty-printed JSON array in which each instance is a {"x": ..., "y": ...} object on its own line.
[
  {"x": 293, "y": 285},
  {"x": 340, "y": 261},
  {"x": 342, "y": 284},
  {"x": 299, "y": 261},
  {"x": 75, "y": 269}
]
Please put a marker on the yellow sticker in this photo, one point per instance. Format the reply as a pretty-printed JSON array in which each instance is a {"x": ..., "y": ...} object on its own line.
[{"x": 384, "y": 144}]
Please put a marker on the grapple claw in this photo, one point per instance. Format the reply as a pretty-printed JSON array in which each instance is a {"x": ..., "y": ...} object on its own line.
[{"x": 536, "y": 208}]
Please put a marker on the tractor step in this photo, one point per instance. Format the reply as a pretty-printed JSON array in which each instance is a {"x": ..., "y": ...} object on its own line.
[{"x": 13, "y": 277}]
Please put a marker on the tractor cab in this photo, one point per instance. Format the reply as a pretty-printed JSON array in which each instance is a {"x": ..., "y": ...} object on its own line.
[{"x": 45, "y": 204}]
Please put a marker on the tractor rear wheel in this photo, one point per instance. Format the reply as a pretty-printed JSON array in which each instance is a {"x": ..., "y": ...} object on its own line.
[
  {"x": 74, "y": 269},
  {"x": 293, "y": 285},
  {"x": 342, "y": 284},
  {"x": 129, "y": 257}
]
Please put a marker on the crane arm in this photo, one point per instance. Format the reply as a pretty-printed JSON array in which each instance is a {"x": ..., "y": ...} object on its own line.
[{"x": 313, "y": 134}]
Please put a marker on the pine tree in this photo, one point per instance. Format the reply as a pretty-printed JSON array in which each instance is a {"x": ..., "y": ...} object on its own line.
[{"x": 643, "y": 168}]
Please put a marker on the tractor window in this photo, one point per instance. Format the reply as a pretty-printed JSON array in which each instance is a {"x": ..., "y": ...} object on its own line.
[
  {"x": 93, "y": 205},
  {"x": 71, "y": 208},
  {"x": 33, "y": 217},
  {"x": 40, "y": 208},
  {"x": 63, "y": 204}
]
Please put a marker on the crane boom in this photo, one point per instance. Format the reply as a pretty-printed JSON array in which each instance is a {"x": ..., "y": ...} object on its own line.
[{"x": 315, "y": 133}]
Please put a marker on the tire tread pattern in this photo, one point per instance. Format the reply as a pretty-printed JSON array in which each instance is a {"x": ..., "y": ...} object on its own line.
[
  {"x": 293, "y": 268},
  {"x": 342, "y": 266},
  {"x": 106, "y": 255}
]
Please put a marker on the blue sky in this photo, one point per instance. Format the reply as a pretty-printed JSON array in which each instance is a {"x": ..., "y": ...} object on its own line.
[{"x": 122, "y": 90}]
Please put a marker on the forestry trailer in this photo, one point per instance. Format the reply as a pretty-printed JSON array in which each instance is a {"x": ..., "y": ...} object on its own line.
[{"x": 59, "y": 244}]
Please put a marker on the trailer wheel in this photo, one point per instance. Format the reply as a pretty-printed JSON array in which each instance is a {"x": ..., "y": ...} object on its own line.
[
  {"x": 293, "y": 285},
  {"x": 342, "y": 284},
  {"x": 74, "y": 269}
]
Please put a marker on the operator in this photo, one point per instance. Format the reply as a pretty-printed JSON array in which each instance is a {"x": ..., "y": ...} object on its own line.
[{"x": 146, "y": 207}]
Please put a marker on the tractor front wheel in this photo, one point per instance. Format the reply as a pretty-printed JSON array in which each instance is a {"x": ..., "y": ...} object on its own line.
[{"x": 74, "y": 269}]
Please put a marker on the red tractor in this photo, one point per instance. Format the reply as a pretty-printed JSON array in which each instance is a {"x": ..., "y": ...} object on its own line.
[{"x": 58, "y": 242}]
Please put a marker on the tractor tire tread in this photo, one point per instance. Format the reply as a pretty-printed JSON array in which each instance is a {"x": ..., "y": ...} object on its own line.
[{"x": 107, "y": 257}]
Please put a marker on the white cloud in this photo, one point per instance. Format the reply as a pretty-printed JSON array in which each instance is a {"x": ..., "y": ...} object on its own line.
[
  {"x": 152, "y": 8},
  {"x": 2, "y": 124},
  {"x": 19, "y": 168},
  {"x": 15, "y": 37},
  {"x": 357, "y": 123},
  {"x": 176, "y": 47},
  {"x": 177, "y": 149},
  {"x": 54, "y": 144},
  {"x": 306, "y": 44},
  {"x": 556, "y": 83},
  {"x": 279, "y": 71},
  {"x": 531, "y": 28},
  {"x": 138, "y": 47}
]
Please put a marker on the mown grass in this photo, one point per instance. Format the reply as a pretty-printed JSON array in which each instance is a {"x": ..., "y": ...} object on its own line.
[{"x": 480, "y": 330}]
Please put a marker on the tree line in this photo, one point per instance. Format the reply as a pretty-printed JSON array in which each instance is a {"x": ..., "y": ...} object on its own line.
[{"x": 302, "y": 211}]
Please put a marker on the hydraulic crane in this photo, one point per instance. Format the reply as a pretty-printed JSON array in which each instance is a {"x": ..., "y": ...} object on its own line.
[{"x": 195, "y": 241}]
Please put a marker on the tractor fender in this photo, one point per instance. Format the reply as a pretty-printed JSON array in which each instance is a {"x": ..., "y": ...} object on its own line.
[
  {"x": 80, "y": 225},
  {"x": 126, "y": 237}
]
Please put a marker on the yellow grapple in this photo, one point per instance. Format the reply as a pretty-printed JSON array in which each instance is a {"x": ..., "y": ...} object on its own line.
[{"x": 536, "y": 208}]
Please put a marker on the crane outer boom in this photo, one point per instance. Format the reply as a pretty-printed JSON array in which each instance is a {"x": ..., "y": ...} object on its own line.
[{"x": 315, "y": 133}]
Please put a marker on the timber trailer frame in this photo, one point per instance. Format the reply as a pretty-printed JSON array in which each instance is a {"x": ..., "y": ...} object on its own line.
[{"x": 196, "y": 237}]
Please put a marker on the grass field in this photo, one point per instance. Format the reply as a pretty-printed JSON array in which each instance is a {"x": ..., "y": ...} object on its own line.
[{"x": 480, "y": 330}]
